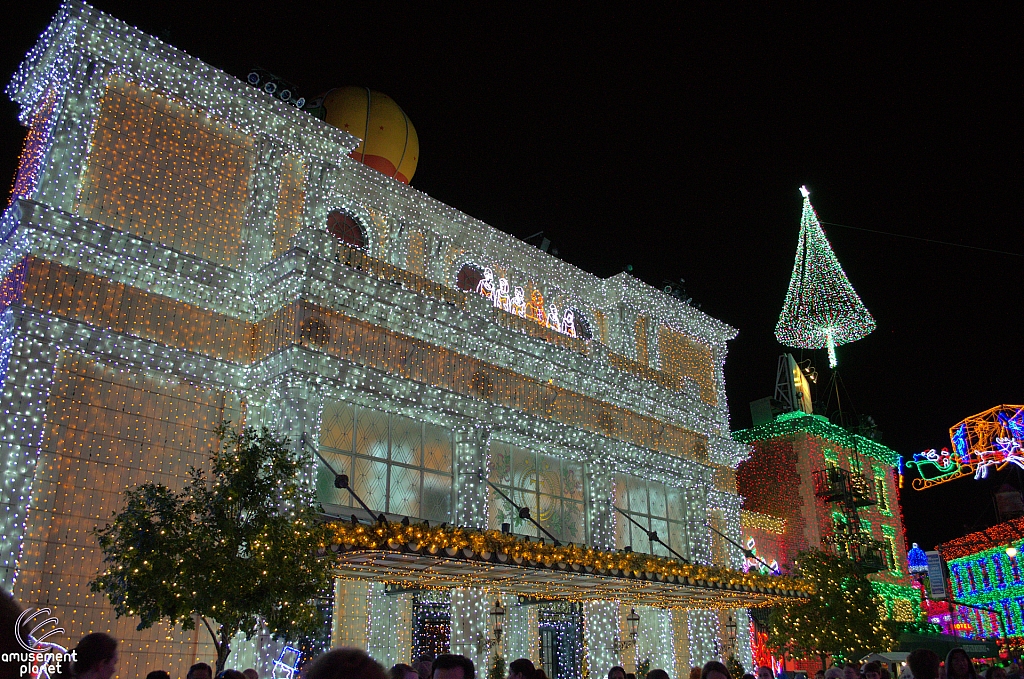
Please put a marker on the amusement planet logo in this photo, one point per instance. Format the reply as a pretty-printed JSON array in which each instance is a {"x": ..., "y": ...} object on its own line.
[{"x": 42, "y": 657}]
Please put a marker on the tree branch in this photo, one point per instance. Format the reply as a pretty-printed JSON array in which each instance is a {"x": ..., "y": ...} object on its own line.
[{"x": 216, "y": 645}]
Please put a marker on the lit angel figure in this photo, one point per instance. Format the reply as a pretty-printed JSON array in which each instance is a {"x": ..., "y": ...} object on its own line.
[
  {"x": 554, "y": 321},
  {"x": 518, "y": 304},
  {"x": 501, "y": 297},
  {"x": 569, "y": 323},
  {"x": 486, "y": 285}
]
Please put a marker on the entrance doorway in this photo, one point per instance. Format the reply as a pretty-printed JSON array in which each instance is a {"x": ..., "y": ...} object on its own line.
[
  {"x": 561, "y": 639},
  {"x": 431, "y": 627}
]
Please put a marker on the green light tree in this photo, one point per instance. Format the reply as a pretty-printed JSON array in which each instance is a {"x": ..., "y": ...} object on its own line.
[
  {"x": 238, "y": 550},
  {"x": 822, "y": 310},
  {"x": 841, "y": 619}
]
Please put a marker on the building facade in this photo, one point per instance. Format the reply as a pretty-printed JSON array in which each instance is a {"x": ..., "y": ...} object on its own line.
[
  {"x": 985, "y": 576},
  {"x": 810, "y": 484},
  {"x": 182, "y": 249}
]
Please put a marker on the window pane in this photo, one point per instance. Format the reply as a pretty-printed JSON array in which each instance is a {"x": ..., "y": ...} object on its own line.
[
  {"x": 550, "y": 514},
  {"x": 370, "y": 483},
  {"x": 677, "y": 538},
  {"x": 549, "y": 472},
  {"x": 676, "y": 501},
  {"x": 524, "y": 471},
  {"x": 572, "y": 521},
  {"x": 501, "y": 464},
  {"x": 325, "y": 490},
  {"x": 336, "y": 426},
  {"x": 372, "y": 433},
  {"x": 500, "y": 511},
  {"x": 404, "y": 494},
  {"x": 406, "y": 439},
  {"x": 437, "y": 497},
  {"x": 657, "y": 494},
  {"x": 661, "y": 528},
  {"x": 572, "y": 481},
  {"x": 437, "y": 448},
  {"x": 637, "y": 495},
  {"x": 524, "y": 499}
]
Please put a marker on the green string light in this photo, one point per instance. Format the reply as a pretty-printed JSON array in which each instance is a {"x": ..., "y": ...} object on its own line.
[{"x": 822, "y": 310}]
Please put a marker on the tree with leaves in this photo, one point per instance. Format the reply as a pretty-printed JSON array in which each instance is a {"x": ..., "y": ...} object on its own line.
[
  {"x": 239, "y": 548},
  {"x": 841, "y": 619}
]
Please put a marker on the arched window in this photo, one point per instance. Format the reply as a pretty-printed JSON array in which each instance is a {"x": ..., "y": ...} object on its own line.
[
  {"x": 346, "y": 229},
  {"x": 582, "y": 325},
  {"x": 469, "y": 277}
]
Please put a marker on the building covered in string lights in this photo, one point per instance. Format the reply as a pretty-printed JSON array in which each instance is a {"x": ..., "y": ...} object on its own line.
[
  {"x": 810, "y": 484},
  {"x": 985, "y": 574},
  {"x": 182, "y": 249}
]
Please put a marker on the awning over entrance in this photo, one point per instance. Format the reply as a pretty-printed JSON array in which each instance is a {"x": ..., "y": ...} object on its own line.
[{"x": 423, "y": 557}]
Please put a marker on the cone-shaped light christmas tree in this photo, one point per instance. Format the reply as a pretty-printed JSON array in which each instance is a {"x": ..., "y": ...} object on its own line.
[{"x": 822, "y": 309}]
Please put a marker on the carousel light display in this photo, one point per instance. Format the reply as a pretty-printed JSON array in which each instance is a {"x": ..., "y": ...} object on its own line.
[{"x": 821, "y": 310}]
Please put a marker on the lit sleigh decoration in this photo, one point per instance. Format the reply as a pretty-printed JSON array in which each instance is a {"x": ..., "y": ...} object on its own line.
[{"x": 992, "y": 439}]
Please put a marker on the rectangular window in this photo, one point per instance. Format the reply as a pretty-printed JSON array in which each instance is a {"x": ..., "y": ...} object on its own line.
[
  {"x": 880, "y": 496},
  {"x": 550, "y": 487},
  {"x": 396, "y": 464},
  {"x": 997, "y": 566},
  {"x": 894, "y": 559},
  {"x": 656, "y": 507},
  {"x": 986, "y": 581}
]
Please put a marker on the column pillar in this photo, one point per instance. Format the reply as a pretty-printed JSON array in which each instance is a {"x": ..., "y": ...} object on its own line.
[
  {"x": 515, "y": 639},
  {"x": 471, "y": 469},
  {"x": 600, "y": 624},
  {"x": 601, "y": 515},
  {"x": 469, "y": 626},
  {"x": 30, "y": 364},
  {"x": 703, "y": 628},
  {"x": 65, "y": 160},
  {"x": 296, "y": 413},
  {"x": 680, "y": 643},
  {"x": 389, "y": 626},
  {"x": 349, "y": 622},
  {"x": 264, "y": 187},
  {"x": 654, "y": 638}
]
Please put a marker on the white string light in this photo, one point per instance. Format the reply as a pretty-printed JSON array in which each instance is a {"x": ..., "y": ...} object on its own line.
[{"x": 66, "y": 86}]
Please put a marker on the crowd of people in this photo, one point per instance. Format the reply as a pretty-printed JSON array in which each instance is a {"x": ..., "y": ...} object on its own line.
[{"x": 96, "y": 657}]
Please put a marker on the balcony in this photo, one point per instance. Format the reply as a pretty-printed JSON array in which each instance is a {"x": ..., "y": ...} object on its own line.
[{"x": 835, "y": 484}]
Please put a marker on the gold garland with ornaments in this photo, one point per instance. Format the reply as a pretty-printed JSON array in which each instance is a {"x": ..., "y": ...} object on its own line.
[{"x": 392, "y": 536}]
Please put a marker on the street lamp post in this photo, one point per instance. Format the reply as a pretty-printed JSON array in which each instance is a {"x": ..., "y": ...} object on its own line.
[{"x": 633, "y": 622}]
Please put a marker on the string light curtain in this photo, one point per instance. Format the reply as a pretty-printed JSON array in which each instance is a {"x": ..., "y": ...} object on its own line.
[{"x": 822, "y": 310}]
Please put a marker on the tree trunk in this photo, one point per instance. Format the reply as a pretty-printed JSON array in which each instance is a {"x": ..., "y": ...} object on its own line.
[
  {"x": 221, "y": 644},
  {"x": 822, "y": 656},
  {"x": 223, "y": 648}
]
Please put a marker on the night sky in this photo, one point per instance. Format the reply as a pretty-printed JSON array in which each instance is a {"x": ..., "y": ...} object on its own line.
[{"x": 676, "y": 142}]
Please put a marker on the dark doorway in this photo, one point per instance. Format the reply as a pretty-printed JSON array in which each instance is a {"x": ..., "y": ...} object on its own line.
[
  {"x": 431, "y": 628},
  {"x": 561, "y": 639}
]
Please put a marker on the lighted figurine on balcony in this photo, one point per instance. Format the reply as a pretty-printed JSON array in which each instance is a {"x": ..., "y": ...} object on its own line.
[
  {"x": 518, "y": 304},
  {"x": 569, "y": 323},
  {"x": 554, "y": 320},
  {"x": 502, "y": 300},
  {"x": 486, "y": 285}
]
